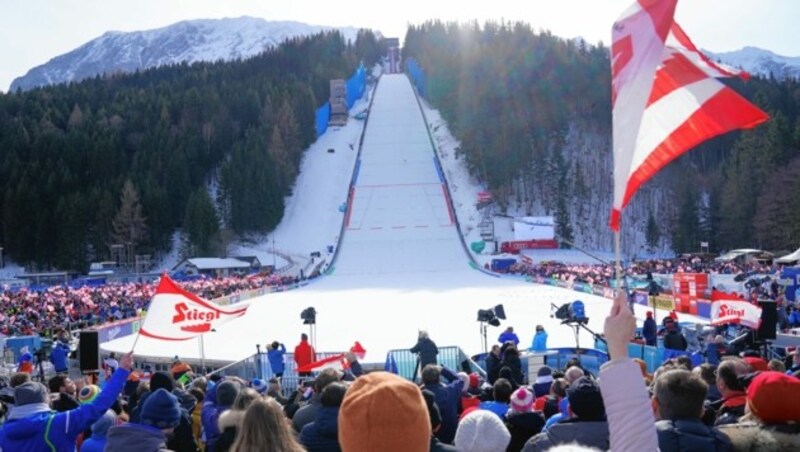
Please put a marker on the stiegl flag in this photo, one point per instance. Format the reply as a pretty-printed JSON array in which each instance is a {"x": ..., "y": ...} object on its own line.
[
  {"x": 177, "y": 315},
  {"x": 665, "y": 96}
]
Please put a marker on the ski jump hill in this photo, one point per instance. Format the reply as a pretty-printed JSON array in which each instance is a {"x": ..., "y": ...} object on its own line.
[{"x": 401, "y": 265}]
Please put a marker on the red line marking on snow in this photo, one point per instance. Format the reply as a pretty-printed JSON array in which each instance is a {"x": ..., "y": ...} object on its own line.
[
  {"x": 397, "y": 185},
  {"x": 449, "y": 204},
  {"x": 349, "y": 206}
]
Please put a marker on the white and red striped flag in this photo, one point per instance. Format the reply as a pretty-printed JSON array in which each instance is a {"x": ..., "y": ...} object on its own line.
[
  {"x": 177, "y": 315},
  {"x": 337, "y": 361},
  {"x": 665, "y": 96}
]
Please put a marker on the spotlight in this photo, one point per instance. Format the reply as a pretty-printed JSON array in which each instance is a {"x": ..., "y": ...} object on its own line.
[
  {"x": 309, "y": 316},
  {"x": 492, "y": 316}
]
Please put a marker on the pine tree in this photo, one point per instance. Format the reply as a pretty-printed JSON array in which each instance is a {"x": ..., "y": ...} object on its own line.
[
  {"x": 201, "y": 223},
  {"x": 652, "y": 233},
  {"x": 129, "y": 226}
]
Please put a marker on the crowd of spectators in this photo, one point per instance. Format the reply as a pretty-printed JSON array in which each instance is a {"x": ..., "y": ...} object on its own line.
[
  {"x": 63, "y": 308},
  {"x": 742, "y": 404}
]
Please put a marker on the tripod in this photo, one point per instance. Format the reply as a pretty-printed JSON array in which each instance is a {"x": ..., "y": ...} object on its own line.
[
  {"x": 483, "y": 336},
  {"x": 576, "y": 325}
]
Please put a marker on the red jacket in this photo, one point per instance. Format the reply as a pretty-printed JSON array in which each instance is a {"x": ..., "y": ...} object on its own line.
[{"x": 304, "y": 354}]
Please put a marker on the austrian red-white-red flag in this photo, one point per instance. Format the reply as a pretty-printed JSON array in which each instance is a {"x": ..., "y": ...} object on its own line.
[
  {"x": 665, "y": 96},
  {"x": 177, "y": 315}
]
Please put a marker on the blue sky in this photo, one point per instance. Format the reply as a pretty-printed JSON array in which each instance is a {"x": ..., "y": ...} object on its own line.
[{"x": 34, "y": 31}]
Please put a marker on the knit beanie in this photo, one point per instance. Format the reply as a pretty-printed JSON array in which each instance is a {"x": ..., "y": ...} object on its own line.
[
  {"x": 522, "y": 400},
  {"x": 106, "y": 421},
  {"x": 88, "y": 393},
  {"x": 259, "y": 385},
  {"x": 227, "y": 392},
  {"x": 161, "y": 410},
  {"x": 756, "y": 363},
  {"x": 474, "y": 380},
  {"x": 162, "y": 379},
  {"x": 382, "y": 411},
  {"x": 544, "y": 375},
  {"x": 30, "y": 393},
  {"x": 773, "y": 396},
  {"x": 482, "y": 431}
]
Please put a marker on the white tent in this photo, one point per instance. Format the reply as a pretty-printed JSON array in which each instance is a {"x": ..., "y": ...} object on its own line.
[{"x": 789, "y": 258}]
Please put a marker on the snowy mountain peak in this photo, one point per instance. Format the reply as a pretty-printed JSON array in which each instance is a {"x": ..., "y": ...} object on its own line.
[
  {"x": 187, "y": 41},
  {"x": 761, "y": 62}
]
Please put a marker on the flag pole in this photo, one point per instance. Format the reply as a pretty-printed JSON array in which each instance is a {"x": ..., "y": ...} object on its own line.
[{"x": 618, "y": 259}]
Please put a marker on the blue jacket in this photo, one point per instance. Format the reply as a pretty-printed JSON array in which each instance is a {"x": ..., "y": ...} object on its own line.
[
  {"x": 209, "y": 416},
  {"x": 539, "y": 343},
  {"x": 322, "y": 434},
  {"x": 28, "y": 433},
  {"x": 276, "y": 359},
  {"x": 94, "y": 444},
  {"x": 498, "y": 408},
  {"x": 59, "y": 357},
  {"x": 508, "y": 337},
  {"x": 448, "y": 398}
]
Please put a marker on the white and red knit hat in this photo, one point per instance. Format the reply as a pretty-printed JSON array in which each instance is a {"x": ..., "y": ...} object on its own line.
[{"x": 522, "y": 400}]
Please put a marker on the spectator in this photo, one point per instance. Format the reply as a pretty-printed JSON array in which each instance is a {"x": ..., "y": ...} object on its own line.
[
  {"x": 756, "y": 363},
  {"x": 522, "y": 423},
  {"x": 470, "y": 394},
  {"x": 795, "y": 362},
  {"x": 304, "y": 354},
  {"x": 549, "y": 404},
  {"x": 274, "y": 391},
  {"x": 383, "y": 412},
  {"x": 321, "y": 435},
  {"x": 481, "y": 431},
  {"x": 501, "y": 395},
  {"x": 275, "y": 355},
  {"x": 678, "y": 400},
  {"x": 774, "y": 415},
  {"x": 230, "y": 421},
  {"x": 731, "y": 407},
  {"x": 544, "y": 379},
  {"x": 258, "y": 385},
  {"x": 97, "y": 442},
  {"x": 539, "y": 342},
  {"x": 179, "y": 368},
  {"x": 674, "y": 339},
  {"x": 181, "y": 438},
  {"x": 265, "y": 429},
  {"x": 306, "y": 414},
  {"x": 160, "y": 415},
  {"x": 650, "y": 330},
  {"x": 63, "y": 389},
  {"x": 426, "y": 350},
  {"x": 27, "y": 425},
  {"x": 197, "y": 420},
  {"x": 587, "y": 425},
  {"x": 448, "y": 398},
  {"x": 25, "y": 361},
  {"x": 776, "y": 365},
  {"x": 219, "y": 399},
  {"x": 630, "y": 420},
  {"x": 512, "y": 362},
  {"x": 436, "y": 423},
  {"x": 708, "y": 372},
  {"x": 508, "y": 336},
  {"x": 493, "y": 364},
  {"x": 58, "y": 356}
]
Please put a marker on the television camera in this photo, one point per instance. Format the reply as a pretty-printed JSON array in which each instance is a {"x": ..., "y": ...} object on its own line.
[{"x": 574, "y": 312}]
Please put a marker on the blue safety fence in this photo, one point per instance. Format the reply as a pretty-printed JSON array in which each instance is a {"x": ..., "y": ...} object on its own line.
[
  {"x": 654, "y": 356},
  {"x": 356, "y": 85},
  {"x": 439, "y": 171},
  {"x": 417, "y": 76},
  {"x": 322, "y": 116}
]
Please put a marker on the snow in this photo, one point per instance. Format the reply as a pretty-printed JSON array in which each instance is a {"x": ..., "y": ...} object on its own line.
[
  {"x": 760, "y": 62},
  {"x": 401, "y": 266}
]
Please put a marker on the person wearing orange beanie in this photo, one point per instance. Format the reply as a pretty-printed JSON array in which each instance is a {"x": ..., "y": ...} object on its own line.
[{"x": 382, "y": 411}]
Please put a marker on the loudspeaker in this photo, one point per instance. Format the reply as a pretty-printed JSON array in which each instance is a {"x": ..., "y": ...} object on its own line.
[
  {"x": 89, "y": 350},
  {"x": 769, "y": 320}
]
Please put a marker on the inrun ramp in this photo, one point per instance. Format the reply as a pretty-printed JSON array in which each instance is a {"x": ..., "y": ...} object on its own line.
[{"x": 401, "y": 266}]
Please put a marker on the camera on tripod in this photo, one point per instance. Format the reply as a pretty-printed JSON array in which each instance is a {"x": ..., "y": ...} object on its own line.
[
  {"x": 753, "y": 283},
  {"x": 574, "y": 312}
]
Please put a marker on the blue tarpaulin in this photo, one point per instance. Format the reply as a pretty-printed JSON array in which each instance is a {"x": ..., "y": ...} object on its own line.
[
  {"x": 417, "y": 76},
  {"x": 356, "y": 85}
]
